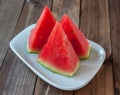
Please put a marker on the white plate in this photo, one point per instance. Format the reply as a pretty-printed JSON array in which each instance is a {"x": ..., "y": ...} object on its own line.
[{"x": 88, "y": 68}]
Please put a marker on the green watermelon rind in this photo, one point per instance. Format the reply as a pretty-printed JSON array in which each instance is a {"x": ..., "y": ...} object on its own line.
[
  {"x": 31, "y": 51},
  {"x": 87, "y": 56},
  {"x": 54, "y": 70}
]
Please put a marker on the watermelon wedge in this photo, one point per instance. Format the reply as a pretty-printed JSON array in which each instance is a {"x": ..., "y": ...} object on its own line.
[
  {"x": 76, "y": 37},
  {"x": 39, "y": 35},
  {"x": 58, "y": 54}
]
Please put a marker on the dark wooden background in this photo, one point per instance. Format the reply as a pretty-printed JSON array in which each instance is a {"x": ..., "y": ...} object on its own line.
[{"x": 98, "y": 19}]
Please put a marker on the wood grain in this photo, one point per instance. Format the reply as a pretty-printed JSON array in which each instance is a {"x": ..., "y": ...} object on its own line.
[
  {"x": 4, "y": 71},
  {"x": 101, "y": 84},
  {"x": 41, "y": 87},
  {"x": 16, "y": 78},
  {"x": 96, "y": 27},
  {"x": 9, "y": 15},
  {"x": 95, "y": 22},
  {"x": 54, "y": 91},
  {"x": 71, "y": 8},
  {"x": 30, "y": 15},
  {"x": 115, "y": 35}
]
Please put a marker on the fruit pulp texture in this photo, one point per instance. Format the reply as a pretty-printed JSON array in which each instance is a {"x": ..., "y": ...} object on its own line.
[
  {"x": 42, "y": 30},
  {"x": 76, "y": 37},
  {"x": 58, "y": 51}
]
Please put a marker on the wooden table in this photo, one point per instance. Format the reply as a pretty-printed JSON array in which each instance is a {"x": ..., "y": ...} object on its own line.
[{"x": 98, "y": 19}]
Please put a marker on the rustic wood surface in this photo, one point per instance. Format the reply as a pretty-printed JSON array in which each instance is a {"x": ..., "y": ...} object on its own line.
[
  {"x": 115, "y": 37},
  {"x": 99, "y": 20}
]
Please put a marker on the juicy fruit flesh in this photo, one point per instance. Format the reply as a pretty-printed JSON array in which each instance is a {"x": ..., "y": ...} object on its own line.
[
  {"x": 39, "y": 35},
  {"x": 58, "y": 54},
  {"x": 76, "y": 37}
]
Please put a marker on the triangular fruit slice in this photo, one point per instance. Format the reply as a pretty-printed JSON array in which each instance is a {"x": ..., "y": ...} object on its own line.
[
  {"x": 76, "y": 37},
  {"x": 42, "y": 30},
  {"x": 58, "y": 54}
]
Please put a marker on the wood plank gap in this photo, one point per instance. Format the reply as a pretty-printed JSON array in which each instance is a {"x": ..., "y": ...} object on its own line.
[
  {"x": 5, "y": 47},
  {"x": 111, "y": 57},
  {"x": 20, "y": 14},
  {"x": 51, "y": 5},
  {"x": 12, "y": 34},
  {"x": 80, "y": 14},
  {"x": 111, "y": 60},
  {"x": 95, "y": 25},
  {"x": 40, "y": 86},
  {"x": 46, "y": 93},
  {"x": 115, "y": 32},
  {"x": 35, "y": 85},
  {"x": 29, "y": 13},
  {"x": 3, "y": 60}
]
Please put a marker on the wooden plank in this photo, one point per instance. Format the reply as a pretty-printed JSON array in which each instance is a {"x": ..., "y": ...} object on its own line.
[
  {"x": 9, "y": 14},
  {"x": 41, "y": 87},
  {"x": 32, "y": 17},
  {"x": 30, "y": 14},
  {"x": 96, "y": 27},
  {"x": 4, "y": 71},
  {"x": 95, "y": 22},
  {"x": 16, "y": 78},
  {"x": 101, "y": 84},
  {"x": 54, "y": 91},
  {"x": 72, "y": 8},
  {"x": 115, "y": 35}
]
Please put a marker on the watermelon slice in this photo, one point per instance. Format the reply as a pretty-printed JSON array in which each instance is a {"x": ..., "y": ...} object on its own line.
[
  {"x": 58, "y": 54},
  {"x": 40, "y": 33},
  {"x": 76, "y": 37}
]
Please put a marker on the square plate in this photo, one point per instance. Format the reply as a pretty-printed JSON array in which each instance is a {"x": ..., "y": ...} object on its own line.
[{"x": 88, "y": 68}]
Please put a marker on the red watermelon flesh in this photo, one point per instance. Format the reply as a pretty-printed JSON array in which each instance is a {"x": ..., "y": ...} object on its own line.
[
  {"x": 39, "y": 35},
  {"x": 58, "y": 54},
  {"x": 76, "y": 37}
]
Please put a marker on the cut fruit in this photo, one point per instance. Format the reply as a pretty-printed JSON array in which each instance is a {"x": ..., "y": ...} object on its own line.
[
  {"x": 58, "y": 55},
  {"x": 39, "y": 35},
  {"x": 76, "y": 37}
]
